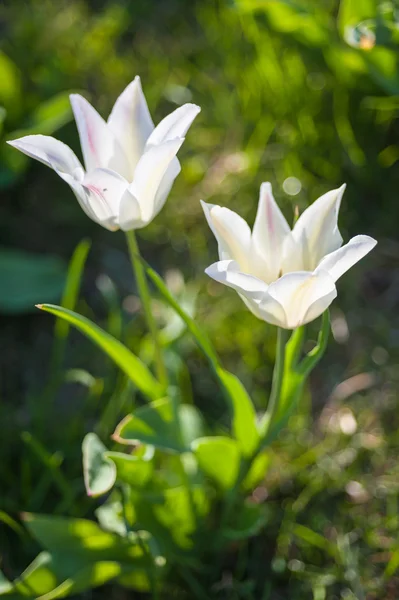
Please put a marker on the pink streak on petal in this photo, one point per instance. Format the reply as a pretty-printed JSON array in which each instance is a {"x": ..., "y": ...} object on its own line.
[
  {"x": 269, "y": 215},
  {"x": 90, "y": 138}
]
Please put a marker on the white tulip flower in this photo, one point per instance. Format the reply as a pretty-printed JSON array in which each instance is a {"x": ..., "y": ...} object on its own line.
[
  {"x": 285, "y": 277},
  {"x": 130, "y": 165}
]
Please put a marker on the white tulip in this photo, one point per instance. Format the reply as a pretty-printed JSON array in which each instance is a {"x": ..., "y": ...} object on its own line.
[
  {"x": 130, "y": 165},
  {"x": 285, "y": 277}
]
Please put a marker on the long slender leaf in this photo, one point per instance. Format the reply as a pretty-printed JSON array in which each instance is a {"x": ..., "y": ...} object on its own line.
[
  {"x": 72, "y": 286},
  {"x": 244, "y": 416},
  {"x": 134, "y": 368},
  {"x": 200, "y": 337}
]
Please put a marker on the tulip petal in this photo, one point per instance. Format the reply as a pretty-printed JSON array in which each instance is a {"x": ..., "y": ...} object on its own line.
[
  {"x": 228, "y": 272},
  {"x": 130, "y": 213},
  {"x": 232, "y": 233},
  {"x": 105, "y": 189},
  {"x": 340, "y": 261},
  {"x": 250, "y": 289},
  {"x": 315, "y": 234},
  {"x": 269, "y": 232},
  {"x": 99, "y": 146},
  {"x": 149, "y": 175},
  {"x": 302, "y": 295},
  {"x": 174, "y": 125},
  {"x": 51, "y": 152},
  {"x": 166, "y": 185},
  {"x": 130, "y": 122}
]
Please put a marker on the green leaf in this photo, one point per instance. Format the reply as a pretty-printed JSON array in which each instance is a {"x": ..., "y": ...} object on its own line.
[
  {"x": 110, "y": 515},
  {"x": 248, "y": 521},
  {"x": 38, "y": 578},
  {"x": 244, "y": 415},
  {"x": 200, "y": 336},
  {"x": 99, "y": 472},
  {"x": 52, "y": 576},
  {"x": 48, "y": 577},
  {"x": 219, "y": 458},
  {"x": 153, "y": 424},
  {"x": 172, "y": 515},
  {"x": 82, "y": 539},
  {"x": 132, "y": 469},
  {"x": 257, "y": 471},
  {"x": 295, "y": 375},
  {"x": 87, "y": 578},
  {"x": 191, "y": 423},
  {"x": 134, "y": 368},
  {"x": 72, "y": 286},
  {"x": 26, "y": 279}
]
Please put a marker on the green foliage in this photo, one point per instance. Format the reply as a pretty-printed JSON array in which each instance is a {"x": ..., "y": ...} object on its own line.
[
  {"x": 134, "y": 368},
  {"x": 79, "y": 556},
  {"x": 99, "y": 471},
  {"x": 219, "y": 458},
  {"x": 243, "y": 413},
  {"x": 153, "y": 424},
  {"x": 132, "y": 469}
]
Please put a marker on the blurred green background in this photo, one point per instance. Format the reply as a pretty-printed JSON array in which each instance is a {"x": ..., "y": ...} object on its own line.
[{"x": 304, "y": 94}]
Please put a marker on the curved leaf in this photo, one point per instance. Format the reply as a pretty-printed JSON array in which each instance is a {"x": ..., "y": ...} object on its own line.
[
  {"x": 219, "y": 458},
  {"x": 153, "y": 424},
  {"x": 98, "y": 470},
  {"x": 243, "y": 411},
  {"x": 134, "y": 368},
  {"x": 132, "y": 469}
]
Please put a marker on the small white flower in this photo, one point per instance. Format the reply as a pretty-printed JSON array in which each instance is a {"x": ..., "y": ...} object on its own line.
[
  {"x": 285, "y": 277},
  {"x": 130, "y": 165}
]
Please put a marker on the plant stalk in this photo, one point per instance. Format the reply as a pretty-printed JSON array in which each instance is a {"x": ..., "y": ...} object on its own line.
[
  {"x": 278, "y": 376},
  {"x": 145, "y": 297}
]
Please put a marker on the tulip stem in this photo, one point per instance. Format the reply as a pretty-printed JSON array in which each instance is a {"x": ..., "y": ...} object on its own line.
[
  {"x": 278, "y": 375},
  {"x": 145, "y": 297}
]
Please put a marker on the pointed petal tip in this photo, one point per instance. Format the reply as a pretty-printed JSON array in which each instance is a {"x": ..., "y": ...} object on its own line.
[
  {"x": 74, "y": 97},
  {"x": 205, "y": 205},
  {"x": 194, "y": 107},
  {"x": 369, "y": 240},
  {"x": 77, "y": 100},
  {"x": 267, "y": 186}
]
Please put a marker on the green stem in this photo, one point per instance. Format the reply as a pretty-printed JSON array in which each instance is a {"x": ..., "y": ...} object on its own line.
[
  {"x": 312, "y": 358},
  {"x": 145, "y": 297},
  {"x": 278, "y": 375}
]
